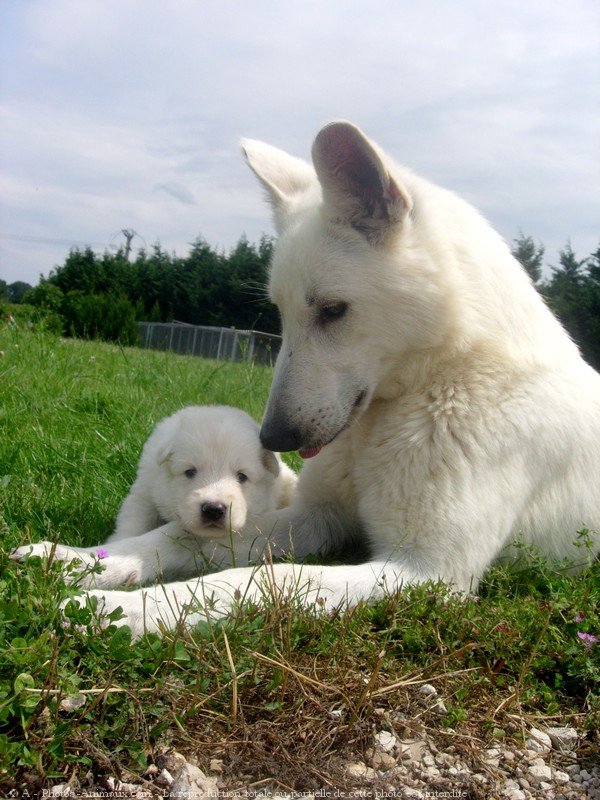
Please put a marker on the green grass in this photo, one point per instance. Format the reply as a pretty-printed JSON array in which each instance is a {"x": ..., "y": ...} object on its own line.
[{"x": 258, "y": 690}]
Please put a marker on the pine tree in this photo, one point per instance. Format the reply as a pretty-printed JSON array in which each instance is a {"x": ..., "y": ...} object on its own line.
[{"x": 529, "y": 255}]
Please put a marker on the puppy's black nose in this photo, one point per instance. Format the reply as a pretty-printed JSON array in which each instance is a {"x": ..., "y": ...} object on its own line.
[{"x": 213, "y": 513}]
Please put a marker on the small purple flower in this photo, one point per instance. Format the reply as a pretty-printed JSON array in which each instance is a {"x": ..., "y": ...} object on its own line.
[
  {"x": 66, "y": 623},
  {"x": 588, "y": 639},
  {"x": 578, "y": 618},
  {"x": 101, "y": 553}
]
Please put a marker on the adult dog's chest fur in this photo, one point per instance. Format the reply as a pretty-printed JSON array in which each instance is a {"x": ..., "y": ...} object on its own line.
[{"x": 413, "y": 454}]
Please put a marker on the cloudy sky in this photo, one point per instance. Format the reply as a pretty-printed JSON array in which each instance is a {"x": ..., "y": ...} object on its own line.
[{"x": 127, "y": 113}]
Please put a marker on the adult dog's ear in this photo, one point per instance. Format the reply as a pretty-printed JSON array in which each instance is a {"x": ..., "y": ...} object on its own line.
[
  {"x": 357, "y": 186},
  {"x": 283, "y": 176},
  {"x": 270, "y": 461}
]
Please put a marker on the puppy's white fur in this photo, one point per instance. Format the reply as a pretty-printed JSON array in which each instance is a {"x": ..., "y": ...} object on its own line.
[
  {"x": 200, "y": 457},
  {"x": 447, "y": 411}
]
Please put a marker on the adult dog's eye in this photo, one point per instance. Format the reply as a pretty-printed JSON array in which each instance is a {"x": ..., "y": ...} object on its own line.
[
  {"x": 191, "y": 472},
  {"x": 241, "y": 476},
  {"x": 332, "y": 312}
]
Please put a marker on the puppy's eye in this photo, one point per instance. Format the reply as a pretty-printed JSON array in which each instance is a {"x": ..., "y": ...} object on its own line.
[
  {"x": 191, "y": 472},
  {"x": 242, "y": 477},
  {"x": 331, "y": 312}
]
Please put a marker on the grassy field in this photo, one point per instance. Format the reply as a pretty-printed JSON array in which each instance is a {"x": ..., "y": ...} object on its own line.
[{"x": 257, "y": 691}]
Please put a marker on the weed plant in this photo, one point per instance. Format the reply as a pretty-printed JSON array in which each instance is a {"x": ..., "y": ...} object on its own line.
[{"x": 274, "y": 690}]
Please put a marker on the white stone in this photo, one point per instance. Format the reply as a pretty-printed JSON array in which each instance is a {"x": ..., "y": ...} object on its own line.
[
  {"x": 539, "y": 773},
  {"x": 164, "y": 777},
  {"x": 72, "y": 702},
  {"x": 492, "y": 756},
  {"x": 385, "y": 741},
  {"x": 563, "y": 739},
  {"x": 428, "y": 690},
  {"x": 513, "y": 793},
  {"x": 412, "y": 749},
  {"x": 510, "y": 784},
  {"x": 439, "y": 707},
  {"x": 192, "y": 784},
  {"x": 538, "y": 741},
  {"x": 560, "y": 777},
  {"x": 358, "y": 769}
]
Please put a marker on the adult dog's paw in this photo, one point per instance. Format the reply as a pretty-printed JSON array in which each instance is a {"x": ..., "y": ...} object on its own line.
[
  {"x": 152, "y": 610},
  {"x": 116, "y": 608}
]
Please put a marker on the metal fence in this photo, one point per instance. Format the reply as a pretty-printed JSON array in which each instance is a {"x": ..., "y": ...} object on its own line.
[{"x": 218, "y": 343}]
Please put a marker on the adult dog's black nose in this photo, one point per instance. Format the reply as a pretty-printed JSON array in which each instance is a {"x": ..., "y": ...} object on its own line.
[
  {"x": 280, "y": 437},
  {"x": 213, "y": 513}
]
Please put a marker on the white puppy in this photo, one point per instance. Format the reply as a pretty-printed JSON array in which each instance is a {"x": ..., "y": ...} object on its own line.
[{"x": 202, "y": 482}]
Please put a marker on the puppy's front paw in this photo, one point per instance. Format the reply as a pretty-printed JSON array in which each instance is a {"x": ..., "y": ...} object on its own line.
[
  {"x": 41, "y": 549},
  {"x": 93, "y": 568},
  {"x": 81, "y": 566}
]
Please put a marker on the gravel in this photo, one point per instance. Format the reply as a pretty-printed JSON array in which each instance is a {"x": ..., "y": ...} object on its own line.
[{"x": 547, "y": 766}]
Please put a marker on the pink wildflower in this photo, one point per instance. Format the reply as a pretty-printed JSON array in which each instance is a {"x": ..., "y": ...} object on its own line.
[
  {"x": 101, "y": 553},
  {"x": 588, "y": 639}
]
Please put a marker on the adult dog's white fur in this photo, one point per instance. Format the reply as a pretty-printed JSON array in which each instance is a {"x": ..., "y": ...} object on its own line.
[
  {"x": 203, "y": 482},
  {"x": 446, "y": 411}
]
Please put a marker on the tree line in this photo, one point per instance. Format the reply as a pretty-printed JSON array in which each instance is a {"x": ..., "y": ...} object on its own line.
[
  {"x": 572, "y": 291},
  {"x": 103, "y": 296}
]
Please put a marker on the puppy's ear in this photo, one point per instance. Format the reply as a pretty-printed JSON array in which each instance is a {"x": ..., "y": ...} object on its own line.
[
  {"x": 164, "y": 454},
  {"x": 283, "y": 176},
  {"x": 357, "y": 186},
  {"x": 270, "y": 461}
]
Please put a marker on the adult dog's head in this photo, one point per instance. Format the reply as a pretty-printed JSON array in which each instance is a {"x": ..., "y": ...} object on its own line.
[
  {"x": 206, "y": 468},
  {"x": 353, "y": 289}
]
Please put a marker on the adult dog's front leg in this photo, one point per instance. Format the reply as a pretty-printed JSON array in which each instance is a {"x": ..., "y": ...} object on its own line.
[{"x": 215, "y": 596}]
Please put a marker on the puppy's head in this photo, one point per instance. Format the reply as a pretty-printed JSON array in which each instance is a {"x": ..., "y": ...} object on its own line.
[{"x": 213, "y": 473}]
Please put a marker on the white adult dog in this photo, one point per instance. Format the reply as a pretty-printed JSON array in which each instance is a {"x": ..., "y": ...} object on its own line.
[
  {"x": 444, "y": 409},
  {"x": 203, "y": 482}
]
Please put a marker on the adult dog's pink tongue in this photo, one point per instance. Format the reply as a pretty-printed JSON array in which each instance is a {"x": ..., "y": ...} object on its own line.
[{"x": 309, "y": 453}]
